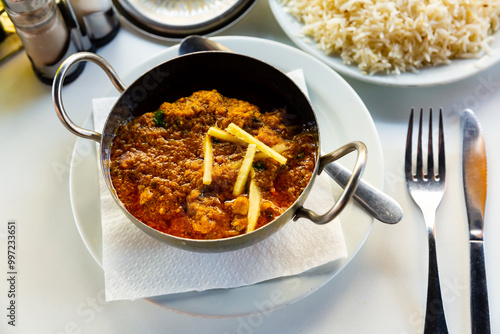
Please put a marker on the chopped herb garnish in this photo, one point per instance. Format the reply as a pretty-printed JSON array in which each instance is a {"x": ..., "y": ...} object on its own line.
[
  {"x": 300, "y": 155},
  {"x": 158, "y": 118},
  {"x": 259, "y": 165}
]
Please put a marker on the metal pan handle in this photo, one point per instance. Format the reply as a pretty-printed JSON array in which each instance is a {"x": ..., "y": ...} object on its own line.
[
  {"x": 350, "y": 187},
  {"x": 58, "y": 84}
]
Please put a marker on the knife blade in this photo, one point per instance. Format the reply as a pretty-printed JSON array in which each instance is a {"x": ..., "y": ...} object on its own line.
[{"x": 474, "y": 168}]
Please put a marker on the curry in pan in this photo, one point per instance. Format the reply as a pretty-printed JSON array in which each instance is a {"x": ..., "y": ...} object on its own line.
[{"x": 209, "y": 166}]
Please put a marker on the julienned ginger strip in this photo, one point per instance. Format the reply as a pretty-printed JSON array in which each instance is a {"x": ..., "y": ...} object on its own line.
[
  {"x": 254, "y": 198},
  {"x": 242, "y": 177},
  {"x": 208, "y": 160},
  {"x": 280, "y": 148},
  {"x": 237, "y": 137},
  {"x": 243, "y": 135},
  {"x": 221, "y": 134}
]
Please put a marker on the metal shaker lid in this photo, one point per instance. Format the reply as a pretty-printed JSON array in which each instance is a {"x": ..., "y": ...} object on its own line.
[{"x": 176, "y": 19}]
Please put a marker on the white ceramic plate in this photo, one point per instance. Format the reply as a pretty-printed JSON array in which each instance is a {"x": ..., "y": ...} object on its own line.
[
  {"x": 456, "y": 70},
  {"x": 176, "y": 19},
  {"x": 342, "y": 117}
]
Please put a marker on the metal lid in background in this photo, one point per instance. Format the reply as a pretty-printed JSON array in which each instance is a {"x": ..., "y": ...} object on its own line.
[{"x": 176, "y": 19}]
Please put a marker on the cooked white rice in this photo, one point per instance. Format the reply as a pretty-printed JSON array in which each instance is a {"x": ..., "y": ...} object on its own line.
[{"x": 395, "y": 36}]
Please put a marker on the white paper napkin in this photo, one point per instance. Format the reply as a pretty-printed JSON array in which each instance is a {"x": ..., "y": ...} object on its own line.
[{"x": 138, "y": 266}]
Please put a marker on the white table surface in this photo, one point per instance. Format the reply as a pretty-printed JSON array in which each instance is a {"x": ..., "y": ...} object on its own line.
[{"x": 383, "y": 290}]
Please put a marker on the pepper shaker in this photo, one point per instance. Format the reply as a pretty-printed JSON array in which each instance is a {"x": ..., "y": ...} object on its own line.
[
  {"x": 45, "y": 36},
  {"x": 96, "y": 19}
]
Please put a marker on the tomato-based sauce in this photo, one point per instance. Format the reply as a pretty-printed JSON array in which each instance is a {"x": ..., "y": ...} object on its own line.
[{"x": 157, "y": 166}]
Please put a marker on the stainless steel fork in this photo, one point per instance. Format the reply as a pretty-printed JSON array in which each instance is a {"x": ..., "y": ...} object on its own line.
[{"x": 427, "y": 189}]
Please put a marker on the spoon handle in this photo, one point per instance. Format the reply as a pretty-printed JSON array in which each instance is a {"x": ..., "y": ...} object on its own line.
[{"x": 381, "y": 206}]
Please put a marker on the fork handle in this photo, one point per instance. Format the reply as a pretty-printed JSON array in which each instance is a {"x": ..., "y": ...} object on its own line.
[{"x": 435, "y": 321}]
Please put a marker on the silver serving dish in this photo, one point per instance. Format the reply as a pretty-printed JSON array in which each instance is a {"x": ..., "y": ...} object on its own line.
[{"x": 234, "y": 75}]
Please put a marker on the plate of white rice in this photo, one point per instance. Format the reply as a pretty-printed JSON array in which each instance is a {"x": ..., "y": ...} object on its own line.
[{"x": 396, "y": 42}]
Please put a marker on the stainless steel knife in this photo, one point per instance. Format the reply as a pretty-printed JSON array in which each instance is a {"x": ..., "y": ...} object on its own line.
[{"x": 475, "y": 186}]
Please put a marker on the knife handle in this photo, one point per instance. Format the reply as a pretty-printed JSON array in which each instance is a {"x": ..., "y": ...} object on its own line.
[{"x": 480, "y": 313}]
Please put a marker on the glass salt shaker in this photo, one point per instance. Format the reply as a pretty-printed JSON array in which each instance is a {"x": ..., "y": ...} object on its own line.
[{"x": 45, "y": 36}]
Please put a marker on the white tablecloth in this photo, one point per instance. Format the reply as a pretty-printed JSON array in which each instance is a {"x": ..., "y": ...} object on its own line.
[{"x": 383, "y": 290}]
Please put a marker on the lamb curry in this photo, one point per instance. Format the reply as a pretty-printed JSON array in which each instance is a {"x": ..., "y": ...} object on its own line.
[{"x": 209, "y": 166}]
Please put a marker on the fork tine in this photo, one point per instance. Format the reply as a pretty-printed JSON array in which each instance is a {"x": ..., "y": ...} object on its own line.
[
  {"x": 430, "y": 151},
  {"x": 442, "y": 160},
  {"x": 419, "y": 173},
  {"x": 408, "y": 159}
]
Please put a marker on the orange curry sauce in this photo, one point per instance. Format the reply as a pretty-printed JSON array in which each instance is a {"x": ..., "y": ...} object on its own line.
[{"x": 157, "y": 166}]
